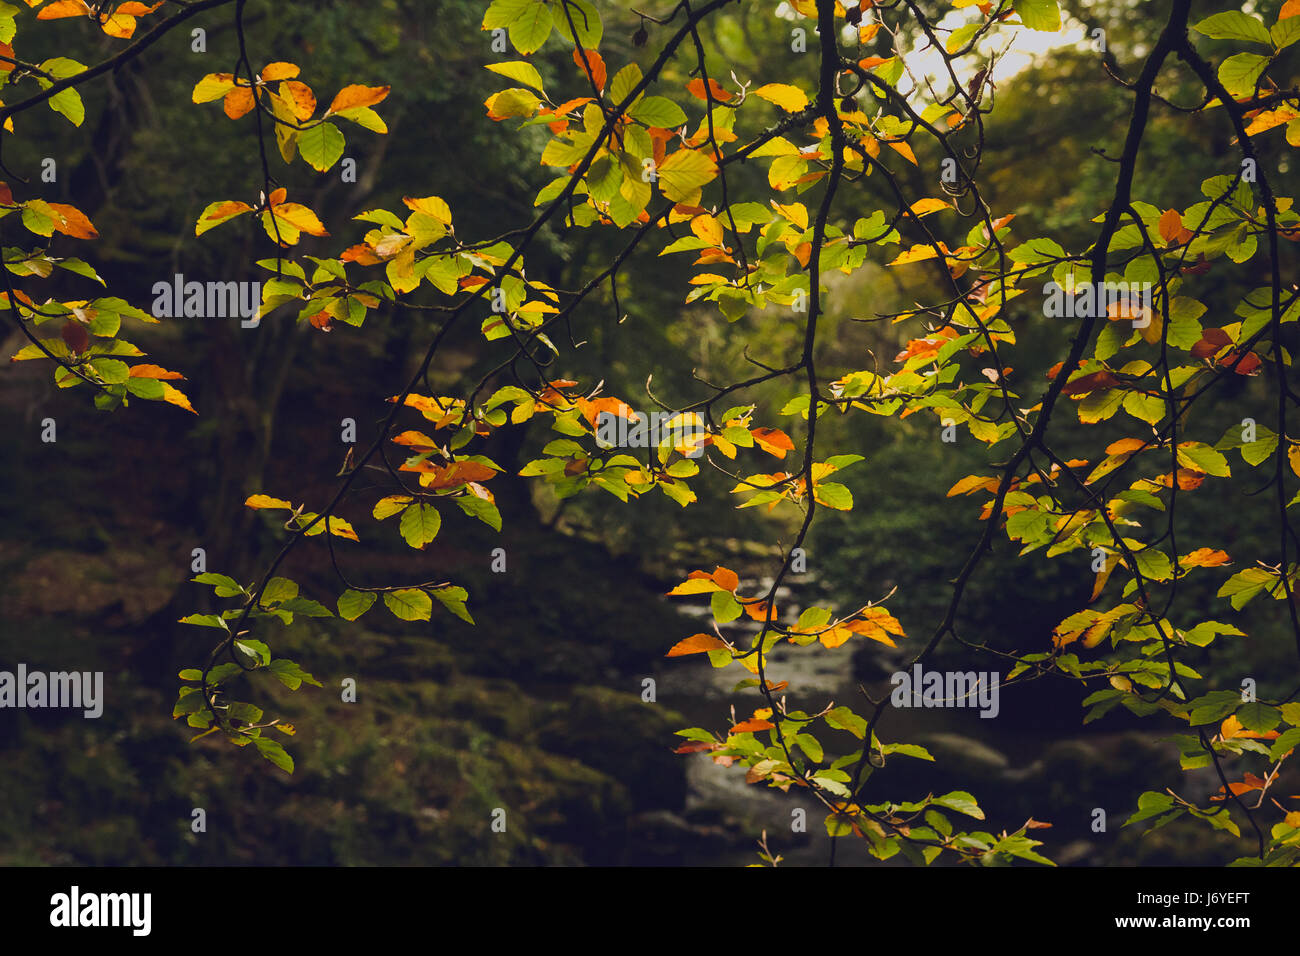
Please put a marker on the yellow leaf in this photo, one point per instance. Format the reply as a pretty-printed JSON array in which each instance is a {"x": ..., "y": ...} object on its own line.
[
  {"x": 923, "y": 207},
  {"x": 176, "y": 397},
  {"x": 905, "y": 151},
  {"x": 789, "y": 98},
  {"x": 266, "y": 501}
]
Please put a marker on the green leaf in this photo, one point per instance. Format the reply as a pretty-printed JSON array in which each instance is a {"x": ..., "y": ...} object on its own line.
[
  {"x": 659, "y": 111},
  {"x": 223, "y": 586},
  {"x": 521, "y": 71},
  {"x": 321, "y": 145},
  {"x": 1039, "y": 14},
  {"x": 1259, "y": 717},
  {"x": 529, "y": 30},
  {"x": 256, "y": 650},
  {"x": 68, "y": 102},
  {"x": 453, "y": 599},
  {"x": 725, "y": 607},
  {"x": 585, "y": 19},
  {"x": 420, "y": 524},
  {"x": 1239, "y": 72},
  {"x": 1245, "y": 584},
  {"x": 480, "y": 508},
  {"x": 273, "y": 752},
  {"x": 352, "y": 604},
  {"x": 290, "y": 674},
  {"x": 205, "y": 620},
  {"x": 1234, "y": 25},
  {"x": 962, "y": 802},
  {"x": 279, "y": 589},
  {"x": 409, "y": 604}
]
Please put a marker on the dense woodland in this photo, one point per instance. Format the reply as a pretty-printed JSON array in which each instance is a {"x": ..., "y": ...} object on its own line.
[{"x": 539, "y": 705}]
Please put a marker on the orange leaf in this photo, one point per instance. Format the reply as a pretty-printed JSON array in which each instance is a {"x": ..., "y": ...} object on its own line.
[
  {"x": 301, "y": 98},
  {"x": 351, "y": 97},
  {"x": 727, "y": 579},
  {"x": 772, "y": 440},
  {"x": 696, "y": 88},
  {"x": 1171, "y": 224},
  {"x": 749, "y": 726},
  {"x": 1289, "y": 9},
  {"x": 1210, "y": 342},
  {"x": 64, "y": 8},
  {"x": 152, "y": 371},
  {"x": 1087, "y": 383},
  {"x": 279, "y": 71},
  {"x": 75, "y": 223},
  {"x": 595, "y": 67},
  {"x": 696, "y": 644},
  {"x": 1205, "y": 558},
  {"x": 238, "y": 102}
]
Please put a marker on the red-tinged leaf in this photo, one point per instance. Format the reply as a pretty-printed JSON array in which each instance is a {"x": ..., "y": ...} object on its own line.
[
  {"x": 76, "y": 336},
  {"x": 696, "y": 644},
  {"x": 751, "y": 726},
  {"x": 696, "y": 88},
  {"x": 300, "y": 97},
  {"x": 696, "y": 746},
  {"x": 773, "y": 441},
  {"x": 153, "y": 371},
  {"x": 360, "y": 254},
  {"x": 351, "y": 97},
  {"x": 727, "y": 579},
  {"x": 75, "y": 223},
  {"x": 415, "y": 440},
  {"x": 6, "y": 197},
  {"x": 1089, "y": 383},
  {"x": 450, "y": 476},
  {"x": 1248, "y": 365},
  {"x": 1210, "y": 342},
  {"x": 1171, "y": 225},
  {"x": 595, "y": 67}
]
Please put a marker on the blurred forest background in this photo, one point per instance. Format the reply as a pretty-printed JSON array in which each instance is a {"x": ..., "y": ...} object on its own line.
[{"x": 538, "y": 708}]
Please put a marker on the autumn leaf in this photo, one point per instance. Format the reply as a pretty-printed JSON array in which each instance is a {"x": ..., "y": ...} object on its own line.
[
  {"x": 696, "y": 88},
  {"x": 352, "y": 97},
  {"x": 789, "y": 98},
  {"x": 266, "y": 501},
  {"x": 696, "y": 644},
  {"x": 773, "y": 441},
  {"x": 1205, "y": 558}
]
